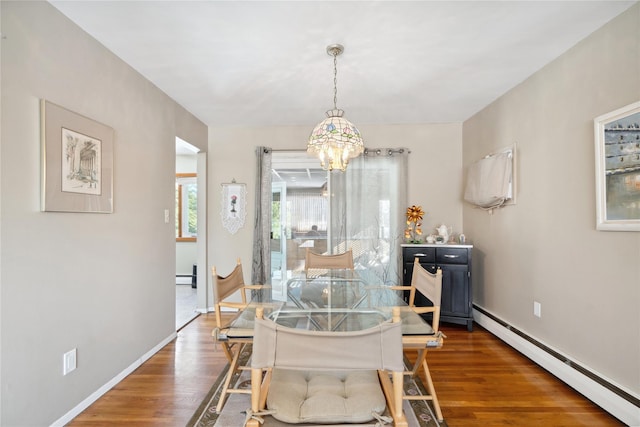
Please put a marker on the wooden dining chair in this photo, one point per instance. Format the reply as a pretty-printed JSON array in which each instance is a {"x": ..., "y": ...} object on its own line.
[
  {"x": 429, "y": 285},
  {"x": 315, "y": 261},
  {"x": 224, "y": 287},
  {"x": 326, "y": 377}
]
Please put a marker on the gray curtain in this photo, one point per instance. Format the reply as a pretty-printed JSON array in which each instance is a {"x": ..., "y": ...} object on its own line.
[
  {"x": 261, "y": 265},
  {"x": 368, "y": 204}
]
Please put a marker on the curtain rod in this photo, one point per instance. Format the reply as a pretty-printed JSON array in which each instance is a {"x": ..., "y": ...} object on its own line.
[{"x": 378, "y": 151}]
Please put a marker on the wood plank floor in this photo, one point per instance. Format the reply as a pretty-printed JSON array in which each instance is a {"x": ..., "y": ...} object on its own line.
[{"x": 479, "y": 380}]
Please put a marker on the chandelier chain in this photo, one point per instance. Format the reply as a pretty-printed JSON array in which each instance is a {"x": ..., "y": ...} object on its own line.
[{"x": 335, "y": 80}]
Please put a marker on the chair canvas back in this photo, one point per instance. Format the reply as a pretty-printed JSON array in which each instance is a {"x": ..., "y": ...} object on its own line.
[
  {"x": 225, "y": 286},
  {"x": 379, "y": 347},
  {"x": 429, "y": 285},
  {"x": 314, "y": 260}
]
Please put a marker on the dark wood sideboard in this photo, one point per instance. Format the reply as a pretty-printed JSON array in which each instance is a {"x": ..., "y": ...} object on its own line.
[{"x": 455, "y": 262}]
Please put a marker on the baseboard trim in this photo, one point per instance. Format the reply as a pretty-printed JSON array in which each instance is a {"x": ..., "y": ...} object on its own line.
[
  {"x": 620, "y": 403},
  {"x": 109, "y": 385}
]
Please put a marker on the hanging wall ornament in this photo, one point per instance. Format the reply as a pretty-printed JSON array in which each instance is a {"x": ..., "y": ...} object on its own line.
[{"x": 234, "y": 206}]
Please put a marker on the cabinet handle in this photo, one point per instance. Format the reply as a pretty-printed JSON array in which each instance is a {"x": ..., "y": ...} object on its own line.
[
  {"x": 451, "y": 256},
  {"x": 419, "y": 254}
]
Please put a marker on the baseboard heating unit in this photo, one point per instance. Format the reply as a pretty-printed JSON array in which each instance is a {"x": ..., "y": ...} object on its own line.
[{"x": 620, "y": 403}]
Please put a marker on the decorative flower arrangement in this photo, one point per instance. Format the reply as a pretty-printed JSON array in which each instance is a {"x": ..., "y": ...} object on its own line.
[{"x": 414, "y": 222}]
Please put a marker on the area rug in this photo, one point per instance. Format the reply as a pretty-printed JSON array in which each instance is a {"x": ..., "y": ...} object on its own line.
[{"x": 419, "y": 413}]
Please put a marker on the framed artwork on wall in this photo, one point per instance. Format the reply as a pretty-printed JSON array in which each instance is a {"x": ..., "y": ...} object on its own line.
[
  {"x": 234, "y": 206},
  {"x": 76, "y": 162},
  {"x": 617, "y": 139}
]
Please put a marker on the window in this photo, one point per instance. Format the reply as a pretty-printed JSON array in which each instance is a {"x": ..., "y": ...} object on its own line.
[{"x": 186, "y": 207}]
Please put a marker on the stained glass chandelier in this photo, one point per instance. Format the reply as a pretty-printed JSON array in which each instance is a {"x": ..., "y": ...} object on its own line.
[{"x": 335, "y": 140}]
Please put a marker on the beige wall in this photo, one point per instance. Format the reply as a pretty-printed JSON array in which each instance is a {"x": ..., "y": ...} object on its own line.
[
  {"x": 546, "y": 248},
  {"x": 101, "y": 283},
  {"x": 435, "y": 175}
]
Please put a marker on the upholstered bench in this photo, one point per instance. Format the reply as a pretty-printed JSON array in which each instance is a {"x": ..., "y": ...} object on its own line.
[{"x": 325, "y": 397}]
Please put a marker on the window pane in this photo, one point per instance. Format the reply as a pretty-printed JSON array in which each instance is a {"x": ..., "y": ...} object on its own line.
[{"x": 186, "y": 207}]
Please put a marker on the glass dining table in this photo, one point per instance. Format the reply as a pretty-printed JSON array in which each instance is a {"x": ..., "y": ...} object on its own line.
[
  {"x": 330, "y": 300},
  {"x": 327, "y": 300}
]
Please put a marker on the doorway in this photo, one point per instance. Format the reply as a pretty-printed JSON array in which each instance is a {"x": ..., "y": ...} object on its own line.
[{"x": 188, "y": 198}]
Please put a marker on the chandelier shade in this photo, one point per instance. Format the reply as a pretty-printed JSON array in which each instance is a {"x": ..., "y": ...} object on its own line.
[{"x": 335, "y": 140}]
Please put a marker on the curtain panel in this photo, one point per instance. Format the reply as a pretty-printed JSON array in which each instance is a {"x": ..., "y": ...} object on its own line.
[
  {"x": 368, "y": 204},
  {"x": 261, "y": 264}
]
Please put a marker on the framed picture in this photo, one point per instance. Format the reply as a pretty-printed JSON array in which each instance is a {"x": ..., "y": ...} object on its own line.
[
  {"x": 234, "y": 206},
  {"x": 617, "y": 138},
  {"x": 77, "y": 162}
]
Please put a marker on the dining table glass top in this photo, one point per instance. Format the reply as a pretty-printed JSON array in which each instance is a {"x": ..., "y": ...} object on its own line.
[{"x": 329, "y": 300}]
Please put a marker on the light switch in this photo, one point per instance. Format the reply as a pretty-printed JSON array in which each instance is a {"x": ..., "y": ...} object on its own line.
[
  {"x": 537, "y": 309},
  {"x": 69, "y": 362}
]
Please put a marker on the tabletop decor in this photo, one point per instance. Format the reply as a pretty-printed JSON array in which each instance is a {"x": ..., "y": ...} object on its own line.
[
  {"x": 77, "y": 162},
  {"x": 414, "y": 224}
]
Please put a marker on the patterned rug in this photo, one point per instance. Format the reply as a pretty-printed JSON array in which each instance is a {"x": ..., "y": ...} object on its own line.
[{"x": 419, "y": 412}]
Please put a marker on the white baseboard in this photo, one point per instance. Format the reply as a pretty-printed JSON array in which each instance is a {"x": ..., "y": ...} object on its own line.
[
  {"x": 611, "y": 402},
  {"x": 109, "y": 385},
  {"x": 213, "y": 309}
]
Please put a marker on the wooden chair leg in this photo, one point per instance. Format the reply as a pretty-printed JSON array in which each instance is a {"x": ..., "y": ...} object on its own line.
[
  {"x": 432, "y": 390},
  {"x": 399, "y": 419},
  {"x": 264, "y": 390},
  {"x": 226, "y": 349},
  {"x": 422, "y": 354},
  {"x": 421, "y": 361},
  {"x": 393, "y": 393},
  {"x": 256, "y": 385},
  {"x": 233, "y": 368}
]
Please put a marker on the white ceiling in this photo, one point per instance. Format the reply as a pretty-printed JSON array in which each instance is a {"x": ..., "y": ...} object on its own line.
[{"x": 264, "y": 63}]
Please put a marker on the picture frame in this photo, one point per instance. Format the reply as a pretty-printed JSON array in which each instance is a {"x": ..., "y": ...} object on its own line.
[
  {"x": 76, "y": 162},
  {"x": 617, "y": 148},
  {"x": 233, "y": 208}
]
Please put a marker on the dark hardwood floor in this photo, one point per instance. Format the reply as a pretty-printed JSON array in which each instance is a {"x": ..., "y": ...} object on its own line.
[{"x": 480, "y": 381}]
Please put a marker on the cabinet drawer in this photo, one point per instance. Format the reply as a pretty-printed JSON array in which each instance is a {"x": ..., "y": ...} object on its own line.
[
  {"x": 451, "y": 256},
  {"x": 426, "y": 255}
]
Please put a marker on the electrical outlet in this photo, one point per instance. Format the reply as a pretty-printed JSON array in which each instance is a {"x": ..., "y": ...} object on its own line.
[
  {"x": 537, "y": 309},
  {"x": 166, "y": 216},
  {"x": 69, "y": 361}
]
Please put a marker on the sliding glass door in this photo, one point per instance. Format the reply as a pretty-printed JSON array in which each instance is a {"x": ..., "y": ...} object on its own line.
[
  {"x": 361, "y": 209},
  {"x": 278, "y": 239}
]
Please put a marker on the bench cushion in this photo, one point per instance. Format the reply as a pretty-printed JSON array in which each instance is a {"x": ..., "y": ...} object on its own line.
[{"x": 325, "y": 397}]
